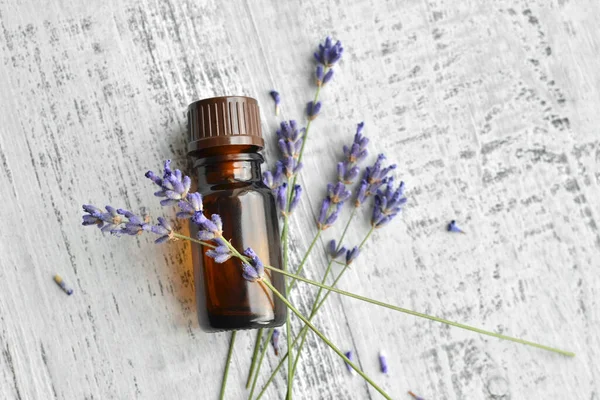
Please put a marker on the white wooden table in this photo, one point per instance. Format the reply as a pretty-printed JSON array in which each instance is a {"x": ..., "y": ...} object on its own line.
[{"x": 489, "y": 108}]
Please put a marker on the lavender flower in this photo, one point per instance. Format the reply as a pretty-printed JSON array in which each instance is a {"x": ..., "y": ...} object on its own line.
[
  {"x": 173, "y": 185},
  {"x": 106, "y": 221},
  {"x": 350, "y": 356},
  {"x": 372, "y": 179},
  {"x": 452, "y": 227},
  {"x": 275, "y": 340},
  {"x": 254, "y": 269},
  {"x": 191, "y": 206},
  {"x": 337, "y": 193},
  {"x": 329, "y": 53},
  {"x": 210, "y": 229},
  {"x": 388, "y": 203},
  {"x": 334, "y": 251},
  {"x": 277, "y": 99},
  {"x": 163, "y": 228},
  {"x": 383, "y": 365},
  {"x": 313, "y": 109},
  {"x": 329, "y": 214},
  {"x": 352, "y": 254},
  {"x": 220, "y": 253}
]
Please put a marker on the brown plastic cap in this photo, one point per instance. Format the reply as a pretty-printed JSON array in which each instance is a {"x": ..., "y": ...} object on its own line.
[{"x": 222, "y": 121}]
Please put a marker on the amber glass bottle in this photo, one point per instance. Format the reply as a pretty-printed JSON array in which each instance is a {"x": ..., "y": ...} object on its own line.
[{"x": 224, "y": 141}]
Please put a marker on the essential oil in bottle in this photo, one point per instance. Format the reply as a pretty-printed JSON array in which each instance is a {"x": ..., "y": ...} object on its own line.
[{"x": 224, "y": 143}]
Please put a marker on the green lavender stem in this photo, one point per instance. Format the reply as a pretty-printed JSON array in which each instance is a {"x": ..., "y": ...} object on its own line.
[
  {"x": 421, "y": 315},
  {"x": 227, "y": 362},
  {"x": 303, "y": 262},
  {"x": 327, "y": 272},
  {"x": 259, "y": 336},
  {"x": 392, "y": 307},
  {"x": 302, "y": 334},
  {"x": 327, "y": 342},
  {"x": 288, "y": 329},
  {"x": 260, "y": 361}
]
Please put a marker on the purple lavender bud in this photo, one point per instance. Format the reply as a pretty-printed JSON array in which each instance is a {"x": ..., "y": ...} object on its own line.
[
  {"x": 195, "y": 200},
  {"x": 283, "y": 147},
  {"x": 352, "y": 254},
  {"x": 362, "y": 193},
  {"x": 359, "y": 128},
  {"x": 281, "y": 197},
  {"x": 383, "y": 365},
  {"x": 205, "y": 235},
  {"x": 452, "y": 227},
  {"x": 220, "y": 254},
  {"x": 350, "y": 356},
  {"x": 277, "y": 99},
  {"x": 253, "y": 270},
  {"x": 328, "y": 76},
  {"x": 295, "y": 197},
  {"x": 324, "y": 209},
  {"x": 351, "y": 175},
  {"x": 333, "y": 251},
  {"x": 278, "y": 174},
  {"x": 333, "y": 216},
  {"x": 275, "y": 340},
  {"x": 341, "y": 171},
  {"x": 268, "y": 179},
  {"x": 249, "y": 273},
  {"x": 313, "y": 109},
  {"x": 319, "y": 74}
]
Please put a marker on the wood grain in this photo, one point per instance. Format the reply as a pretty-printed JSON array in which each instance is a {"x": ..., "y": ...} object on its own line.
[{"x": 490, "y": 110}]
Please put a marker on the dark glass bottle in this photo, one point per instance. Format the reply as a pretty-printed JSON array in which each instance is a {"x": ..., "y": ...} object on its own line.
[{"x": 225, "y": 138}]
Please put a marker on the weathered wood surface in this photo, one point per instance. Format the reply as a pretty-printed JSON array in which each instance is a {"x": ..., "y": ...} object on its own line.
[{"x": 489, "y": 108}]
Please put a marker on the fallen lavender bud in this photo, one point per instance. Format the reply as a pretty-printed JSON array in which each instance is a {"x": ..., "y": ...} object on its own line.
[
  {"x": 277, "y": 99},
  {"x": 452, "y": 227},
  {"x": 275, "y": 340},
  {"x": 59, "y": 281},
  {"x": 350, "y": 356},
  {"x": 415, "y": 396},
  {"x": 383, "y": 365}
]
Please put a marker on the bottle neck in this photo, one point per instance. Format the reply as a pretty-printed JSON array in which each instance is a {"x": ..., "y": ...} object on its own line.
[{"x": 228, "y": 168}]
